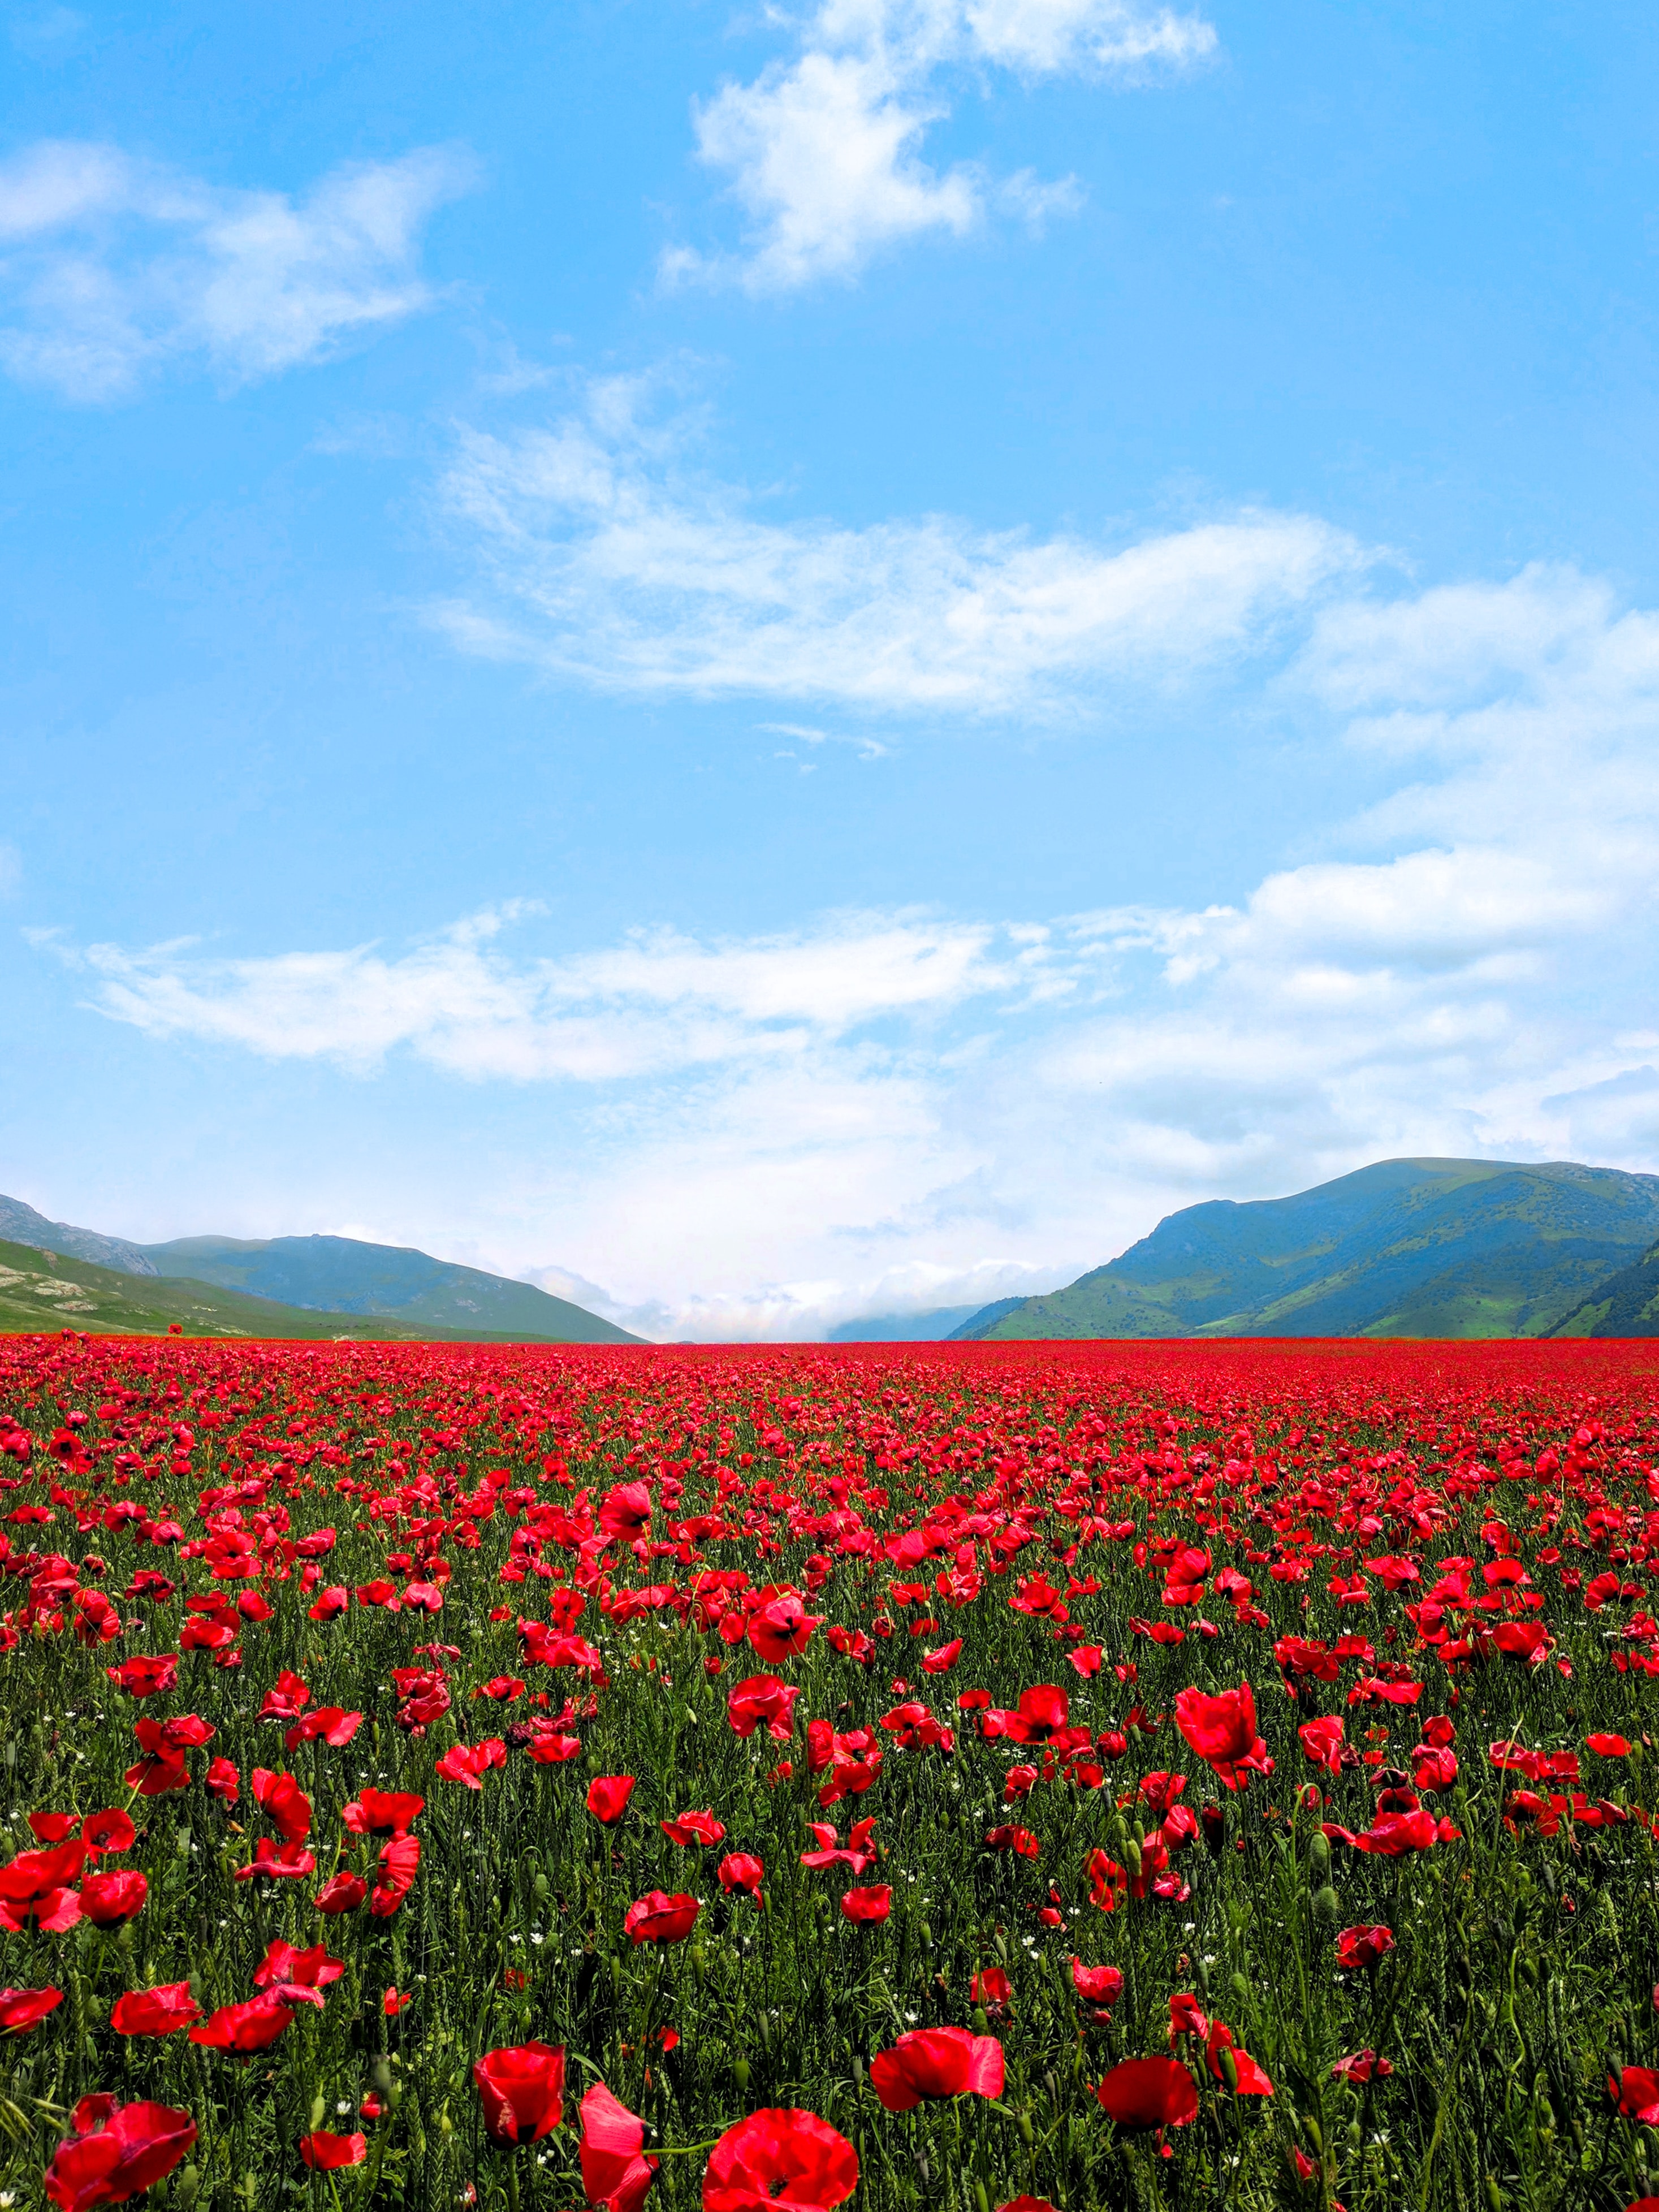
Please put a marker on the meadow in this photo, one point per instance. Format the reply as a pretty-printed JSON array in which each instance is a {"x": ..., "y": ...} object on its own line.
[{"x": 1160, "y": 1775}]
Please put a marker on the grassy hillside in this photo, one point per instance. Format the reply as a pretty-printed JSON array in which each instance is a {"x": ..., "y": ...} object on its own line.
[
  {"x": 1626, "y": 1304},
  {"x": 43, "y": 1291},
  {"x": 1405, "y": 1248},
  {"x": 342, "y": 1275}
]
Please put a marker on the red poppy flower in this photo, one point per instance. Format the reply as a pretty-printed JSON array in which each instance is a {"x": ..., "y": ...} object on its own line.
[
  {"x": 109, "y": 1901},
  {"x": 942, "y": 1661},
  {"x": 223, "y": 1781},
  {"x": 34, "y": 1885},
  {"x": 779, "y": 1629},
  {"x": 312, "y": 1969},
  {"x": 614, "y": 2174},
  {"x": 762, "y": 1697},
  {"x": 522, "y": 2091},
  {"x": 146, "y": 1674},
  {"x": 1608, "y": 1746},
  {"x": 1363, "y": 1946},
  {"x": 657, "y": 1918},
  {"x": 1248, "y": 2079},
  {"x": 332, "y": 1724},
  {"x": 1222, "y": 1731},
  {"x": 22, "y": 2010},
  {"x": 608, "y": 1795},
  {"x": 342, "y": 1892},
  {"x": 1149, "y": 2093},
  {"x": 160, "y": 2011},
  {"x": 400, "y": 1860},
  {"x": 1396, "y": 1833},
  {"x": 1363, "y": 2066},
  {"x": 327, "y": 2154},
  {"x": 254, "y": 2025},
  {"x": 283, "y": 1801},
  {"x": 780, "y": 2160},
  {"x": 279, "y": 1862},
  {"x": 1041, "y": 1711},
  {"x": 1636, "y": 2094},
  {"x": 874, "y": 1903},
  {"x": 551, "y": 1749},
  {"x": 937, "y": 2062},
  {"x": 1321, "y": 1742},
  {"x": 382, "y": 1812},
  {"x": 1097, "y": 1985},
  {"x": 116, "y": 2151},
  {"x": 742, "y": 1870},
  {"x": 694, "y": 1828},
  {"x": 111, "y": 1832},
  {"x": 468, "y": 1763},
  {"x": 991, "y": 1988}
]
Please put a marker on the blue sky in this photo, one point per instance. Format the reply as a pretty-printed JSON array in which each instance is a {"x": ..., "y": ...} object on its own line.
[{"x": 771, "y": 665}]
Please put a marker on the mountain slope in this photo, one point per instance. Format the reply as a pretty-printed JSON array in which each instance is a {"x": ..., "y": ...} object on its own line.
[
  {"x": 44, "y": 1292},
  {"x": 339, "y": 1274},
  {"x": 21, "y": 1224},
  {"x": 1404, "y": 1248},
  {"x": 1626, "y": 1304}
]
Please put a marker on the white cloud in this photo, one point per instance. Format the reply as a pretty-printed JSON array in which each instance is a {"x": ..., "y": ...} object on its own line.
[
  {"x": 824, "y": 152},
  {"x": 606, "y": 559},
  {"x": 109, "y": 266},
  {"x": 656, "y": 1005}
]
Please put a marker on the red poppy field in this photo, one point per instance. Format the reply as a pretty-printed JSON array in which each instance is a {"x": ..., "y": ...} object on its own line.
[{"x": 1161, "y": 1775}]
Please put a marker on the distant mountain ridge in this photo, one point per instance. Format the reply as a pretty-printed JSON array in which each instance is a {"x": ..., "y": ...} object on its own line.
[
  {"x": 1427, "y": 1248},
  {"x": 21, "y": 1224},
  {"x": 338, "y": 1275}
]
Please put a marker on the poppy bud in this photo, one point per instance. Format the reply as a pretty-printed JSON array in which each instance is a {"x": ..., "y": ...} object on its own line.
[
  {"x": 1327, "y": 1906},
  {"x": 319, "y": 2107},
  {"x": 1229, "y": 2069},
  {"x": 981, "y": 2201},
  {"x": 857, "y": 2070},
  {"x": 381, "y": 2074},
  {"x": 1203, "y": 1978},
  {"x": 187, "y": 2186},
  {"x": 1313, "y": 2136},
  {"x": 1319, "y": 1858},
  {"x": 1131, "y": 1852},
  {"x": 740, "y": 2073},
  {"x": 1494, "y": 2194},
  {"x": 1026, "y": 2135},
  {"x": 543, "y": 1887},
  {"x": 700, "y": 1964},
  {"x": 1241, "y": 1988},
  {"x": 981, "y": 2024},
  {"x": 1356, "y": 2138}
]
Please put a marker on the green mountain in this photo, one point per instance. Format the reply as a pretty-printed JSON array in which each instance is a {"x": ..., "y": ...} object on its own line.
[
  {"x": 43, "y": 1292},
  {"x": 339, "y": 1275},
  {"x": 21, "y": 1224},
  {"x": 1404, "y": 1248},
  {"x": 1626, "y": 1304}
]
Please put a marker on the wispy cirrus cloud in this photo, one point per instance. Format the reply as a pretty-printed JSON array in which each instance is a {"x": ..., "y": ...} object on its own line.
[
  {"x": 823, "y": 151},
  {"x": 603, "y": 553},
  {"x": 110, "y": 265}
]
